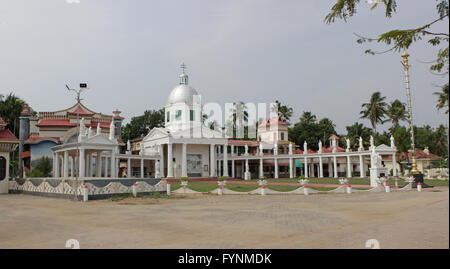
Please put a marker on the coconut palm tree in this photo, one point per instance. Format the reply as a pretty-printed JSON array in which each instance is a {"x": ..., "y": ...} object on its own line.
[
  {"x": 284, "y": 111},
  {"x": 375, "y": 110},
  {"x": 10, "y": 108},
  {"x": 396, "y": 112},
  {"x": 442, "y": 98}
]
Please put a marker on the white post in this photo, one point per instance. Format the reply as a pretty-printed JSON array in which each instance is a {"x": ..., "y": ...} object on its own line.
[
  {"x": 263, "y": 190},
  {"x": 306, "y": 167},
  {"x": 349, "y": 189},
  {"x": 349, "y": 169},
  {"x": 225, "y": 160},
  {"x": 276, "y": 167},
  {"x": 220, "y": 190},
  {"x": 85, "y": 193},
  {"x": 54, "y": 164},
  {"x": 142, "y": 168},
  {"x": 387, "y": 187},
  {"x": 168, "y": 188},
  {"x": 361, "y": 167},
  {"x": 305, "y": 190},
  {"x": 133, "y": 189},
  {"x": 320, "y": 167},
  {"x": 212, "y": 162},
  {"x": 335, "y": 167},
  {"x": 183, "y": 160},
  {"x": 66, "y": 164},
  {"x": 419, "y": 186}
]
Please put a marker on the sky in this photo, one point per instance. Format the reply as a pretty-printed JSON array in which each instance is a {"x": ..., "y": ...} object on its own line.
[{"x": 129, "y": 53}]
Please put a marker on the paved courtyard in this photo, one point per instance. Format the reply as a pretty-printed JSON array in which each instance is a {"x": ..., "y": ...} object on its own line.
[{"x": 396, "y": 220}]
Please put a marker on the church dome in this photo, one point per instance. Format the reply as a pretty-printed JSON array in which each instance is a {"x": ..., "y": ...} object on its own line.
[{"x": 182, "y": 94}]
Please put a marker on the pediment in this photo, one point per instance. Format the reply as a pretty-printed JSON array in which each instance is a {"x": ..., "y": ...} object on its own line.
[
  {"x": 383, "y": 147},
  {"x": 99, "y": 139},
  {"x": 156, "y": 133},
  {"x": 197, "y": 132}
]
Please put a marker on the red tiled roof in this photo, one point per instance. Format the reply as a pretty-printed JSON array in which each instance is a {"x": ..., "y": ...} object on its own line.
[
  {"x": 55, "y": 123},
  {"x": 37, "y": 139},
  {"x": 333, "y": 136},
  {"x": 80, "y": 111},
  {"x": 310, "y": 151},
  {"x": 420, "y": 154},
  {"x": 6, "y": 135},
  {"x": 104, "y": 125},
  {"x": 25, "y": 154},
  {"x": 273, "y": 121},
  {"x": 298, "y": 151},
  {"x": 250, "y": 143},
  {"x": 120, "y": 142}
]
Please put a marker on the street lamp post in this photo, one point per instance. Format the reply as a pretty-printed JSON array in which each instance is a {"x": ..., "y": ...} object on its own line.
[
  {"x": 418, "y": 176},
  {"x": 83, "y": 86}
]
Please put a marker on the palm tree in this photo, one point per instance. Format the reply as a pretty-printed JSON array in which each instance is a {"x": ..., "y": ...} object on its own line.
[
  {"x": 442, "y": 98},
  {"x": 285, "y": 112},
  {"x": 239, "y": 116},
  {"x": 10, "y": 109},
  {"x": 396, "y": 112},
  {"x": 375, "y": 110}
]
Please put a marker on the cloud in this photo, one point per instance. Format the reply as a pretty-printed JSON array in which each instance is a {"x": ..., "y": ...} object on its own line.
[{"x": 73, "y": 1}]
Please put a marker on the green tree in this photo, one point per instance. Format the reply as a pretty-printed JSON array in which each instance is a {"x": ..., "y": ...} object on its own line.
[
  {"x": 357, "y": 130},
  {"x": 10, "y": 108},
  {"x": 396, "y": 112},
  {"x": 400, "y": 39},
  {"x": 375, "y": 110},
  {"x": 310, "y": 130},
  {"x": 442, "y": 101},
  {"x": 140, "y": 126},
  {"x": 43, "y": 168},
  {"x": 284, "y": 111}
]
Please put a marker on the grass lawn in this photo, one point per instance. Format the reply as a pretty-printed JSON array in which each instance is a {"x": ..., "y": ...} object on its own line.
[
  {"x": 436, "y": 182},
  {"x": 323, "y": 188},
  {"x": 282, "y": 188},
  {"x": 241, "y": 187}
]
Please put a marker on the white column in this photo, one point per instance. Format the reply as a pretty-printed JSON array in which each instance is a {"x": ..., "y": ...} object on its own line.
[
  {"x": 320, "y": 167},
  {"x": 212, "y": 161},
  {"x": 106, "y": 166},
  {"x": 276, "y": 167},
  {"x": 72, "y": 166},
  {"x": 394, "y": 165},
  {"x": 116, "y": 168},
  {"x": 161, "y": 161},
  {"x": 112, "y": 165},
  {"x": 66, "y": 164},
  {"x": 183, "y": 160},
  {"x": 291, "y": 168},
  {"x": 232, "y": 169},
  {"x": 98, "y": 164},
  {"x": 305, "y": 164},
  {"x": 330, "y": 170},
  {"x": 128, "y": 168},
  {"x": 361, "y": 167},
  {"x": 169, "y": 160},
  {"x": 225, "y": 160},
  {"x": 349, "y": 168},
  {"x": 232, "y": 150},
  {"x": 57, "y": 168},
  {"x": 81, "y": 163},
  {"x": 335, "y": 167},
  {"x": 219, "y": 168},
  {"x": 142, "y": 168},
  {"x": 261, "y": 168}
]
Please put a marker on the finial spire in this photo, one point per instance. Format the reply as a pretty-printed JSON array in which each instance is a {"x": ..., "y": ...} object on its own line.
[{"x": 183, "y": 76}]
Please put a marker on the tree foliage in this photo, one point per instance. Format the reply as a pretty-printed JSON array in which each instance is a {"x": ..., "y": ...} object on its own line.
[
  {"x": 375, "y": 110},
  {"x": 400, "y": 39},
  {"x": 310, "y": 130},
  {"x": 284, "y": 111},
  {"x": 10, "y": 108},
  {"x": 140, "y": 126},
  {"x": 357, "y": 130},
  {"x": 43, "y": 168},
  {"x": 396, "y": 112}
]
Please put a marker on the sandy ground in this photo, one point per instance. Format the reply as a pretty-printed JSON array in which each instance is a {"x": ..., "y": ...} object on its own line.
[{"x": 396, "y": 220}]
